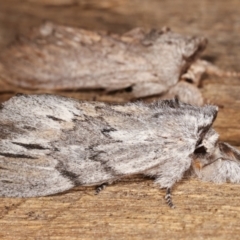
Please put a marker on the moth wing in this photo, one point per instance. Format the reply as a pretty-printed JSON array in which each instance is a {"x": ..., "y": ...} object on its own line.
[
  {"x": 50, "y": 144},
  {"x": 139, "y": 141},
  {"x": 53, "y": 53},
  {"x": 29, "y": 127},
  {"x": 27, "y": 180}
]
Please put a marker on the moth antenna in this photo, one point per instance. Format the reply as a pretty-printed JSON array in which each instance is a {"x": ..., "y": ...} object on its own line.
[
  {"x": 168, "y": 198},
  {"x": 100, "y": 188}
]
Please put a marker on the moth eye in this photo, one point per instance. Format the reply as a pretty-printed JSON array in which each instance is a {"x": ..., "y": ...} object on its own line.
[{"x": 200, "y": 150}]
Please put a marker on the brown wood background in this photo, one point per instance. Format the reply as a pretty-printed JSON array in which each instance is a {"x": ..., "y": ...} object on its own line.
[{"x": 134, "y": 208}]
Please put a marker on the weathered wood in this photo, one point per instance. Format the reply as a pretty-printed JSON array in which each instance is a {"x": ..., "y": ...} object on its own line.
[{"x": 134, "y": 209}]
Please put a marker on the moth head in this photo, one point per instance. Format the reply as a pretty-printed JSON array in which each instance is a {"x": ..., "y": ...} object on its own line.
[
  {"x": 188, "y": 46},
  {"x": 193, "y": 47},
  {"x": 216, "y": 161}
]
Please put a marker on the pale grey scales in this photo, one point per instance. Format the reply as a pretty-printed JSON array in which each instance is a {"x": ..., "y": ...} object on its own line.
[{"x": 50, "y": 144}]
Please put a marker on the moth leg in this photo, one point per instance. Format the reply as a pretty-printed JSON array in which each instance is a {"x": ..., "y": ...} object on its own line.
[
  {"x": 168, "y": 198},
  {"x": 100, "y": 188}
]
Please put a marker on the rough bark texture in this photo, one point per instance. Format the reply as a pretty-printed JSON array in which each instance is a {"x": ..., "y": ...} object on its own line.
[{"x": 133, "y": 209}]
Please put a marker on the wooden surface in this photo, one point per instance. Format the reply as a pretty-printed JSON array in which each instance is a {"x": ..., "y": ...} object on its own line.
[{"x": 134, "y": 208}]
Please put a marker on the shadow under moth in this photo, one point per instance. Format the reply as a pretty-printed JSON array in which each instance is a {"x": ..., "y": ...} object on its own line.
[
  {"x": 50, "y": 144},
  {"x": 144, "y": 63}
]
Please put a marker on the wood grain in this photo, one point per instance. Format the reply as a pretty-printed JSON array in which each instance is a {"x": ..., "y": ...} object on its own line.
[{"x": 134, "y": 208}]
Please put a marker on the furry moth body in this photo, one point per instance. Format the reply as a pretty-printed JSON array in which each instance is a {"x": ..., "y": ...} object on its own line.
[{"x": 50, "y": 144}]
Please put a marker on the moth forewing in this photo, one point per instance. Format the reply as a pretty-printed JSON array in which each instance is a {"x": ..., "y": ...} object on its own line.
[{"x": 50, "y": 144}]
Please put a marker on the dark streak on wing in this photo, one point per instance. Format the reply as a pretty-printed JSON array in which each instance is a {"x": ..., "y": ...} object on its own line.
[
  {"x": 6, "y": 181},
  {"x": 55, "y": 119},
  {"x": 86, "y": 119},
  {"x": 106, "y": 127},
  {"x": 30, "y": 128},
  {"x": 30, "y": 146},
  {"x": 100, "y": 108},
  {"x": 106, "y": 131},
  {"x": 7, "y": 130},
  {"x": 95, "y": 156},
  {"x": 68, "y": 174},
  {"x": 202, "y": 130},
  {"x": 109, "y": 169},
  {"x": 2, "y": 168},
  {"x": 104, "y": 165},
  {"x": 215, "y": 116},
  {"x": 75, "y": 115},
  {"x": 12, "y": 155}
]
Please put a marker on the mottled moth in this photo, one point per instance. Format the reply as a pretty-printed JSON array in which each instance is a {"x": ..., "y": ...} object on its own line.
[
  {"x": 50, "y": 144},
  {"x": 143, "y": 62}
]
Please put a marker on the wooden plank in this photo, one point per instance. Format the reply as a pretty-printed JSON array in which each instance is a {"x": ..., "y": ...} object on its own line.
[{"x": 132, "y": 209}]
